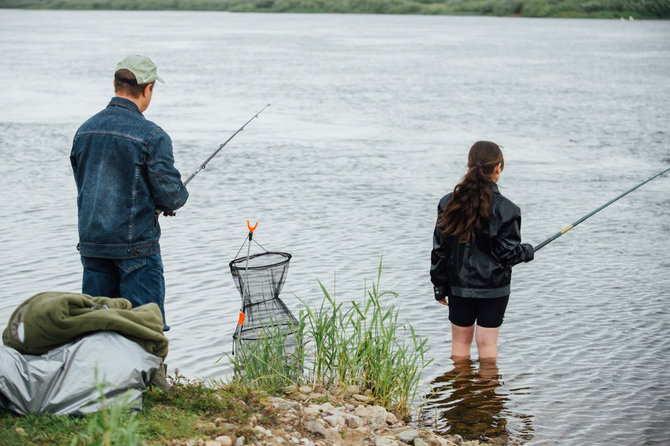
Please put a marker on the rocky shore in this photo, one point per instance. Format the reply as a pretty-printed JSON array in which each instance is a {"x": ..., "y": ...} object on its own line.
[{"x": 308, "y": 416}]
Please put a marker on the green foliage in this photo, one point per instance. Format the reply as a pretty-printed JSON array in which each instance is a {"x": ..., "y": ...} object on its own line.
[{"x": 364, "y": 345}]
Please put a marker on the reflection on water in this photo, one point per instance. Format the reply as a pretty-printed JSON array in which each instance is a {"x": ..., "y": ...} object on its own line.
[{"x": 470, "y": 401}]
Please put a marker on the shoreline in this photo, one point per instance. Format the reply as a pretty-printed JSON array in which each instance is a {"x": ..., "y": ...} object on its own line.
[
  {"x": 313, "y": 416},
  {"x": 309, "y": 415},
  {"x": 492, "y": 8}
]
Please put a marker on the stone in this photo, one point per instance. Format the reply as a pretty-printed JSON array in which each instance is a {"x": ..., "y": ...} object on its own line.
[
  {"x": 327, "y": 407},
  {"x": 352, "y": 421},
  {"x": 376, "y": 415},
  {"x": 282, "y": 404},
  {"x": 264, "y": 431},
  {"x": 311, "y": 411},
  {"x": 305, "y": 389},
  {"x": 225, "y": 440},
  {"x": 363, "y": 398},
  {"x": 212, "y": 443},
  {"x": 239, "y": 441},
  {"x": 353, "y": 389},
  {"x": 391, "y": 418},
  {"x": 386, "y": 441},
  {"x": 335, "y": 420},
  {"x": 408, "y": 436},
  {"x": 316, "y": 428},
  {"x": 420, "y": 442}
]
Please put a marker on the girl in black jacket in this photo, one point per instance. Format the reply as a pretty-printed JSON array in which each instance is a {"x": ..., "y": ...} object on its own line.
[{"x": 476, "y": 242}]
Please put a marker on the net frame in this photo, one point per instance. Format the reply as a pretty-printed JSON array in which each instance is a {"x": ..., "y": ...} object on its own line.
[{"x": 259, "y": 279}]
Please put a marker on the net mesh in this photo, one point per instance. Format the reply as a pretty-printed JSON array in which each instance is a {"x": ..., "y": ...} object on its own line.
[{"x": 259, "y": 279}]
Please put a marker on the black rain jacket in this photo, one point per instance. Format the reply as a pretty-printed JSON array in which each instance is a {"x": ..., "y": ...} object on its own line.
[{"x": 481, "y": 267}]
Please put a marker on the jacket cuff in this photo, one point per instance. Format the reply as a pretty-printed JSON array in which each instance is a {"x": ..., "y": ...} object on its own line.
[
  {"x": 440, "y": 292},
  {"x": 530, "y": 252}
]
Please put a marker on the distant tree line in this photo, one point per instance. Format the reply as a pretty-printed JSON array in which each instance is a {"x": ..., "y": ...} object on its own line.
[{"x": 646, "y": 9}]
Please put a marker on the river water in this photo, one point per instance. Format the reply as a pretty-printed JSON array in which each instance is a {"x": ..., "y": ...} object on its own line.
[{"x": 370, "y": 121}]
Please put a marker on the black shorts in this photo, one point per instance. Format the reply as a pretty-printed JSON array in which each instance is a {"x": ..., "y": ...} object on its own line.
[{"x": 488, "y": 312}]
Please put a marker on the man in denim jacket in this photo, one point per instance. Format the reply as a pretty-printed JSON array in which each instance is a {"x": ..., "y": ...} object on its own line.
[{"x": 125, "y": 173}]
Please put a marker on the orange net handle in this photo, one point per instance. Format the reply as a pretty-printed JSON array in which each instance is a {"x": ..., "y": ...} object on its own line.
[{"x": 240, "y": 319}]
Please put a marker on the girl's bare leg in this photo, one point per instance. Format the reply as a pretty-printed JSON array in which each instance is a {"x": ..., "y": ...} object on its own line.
[
  {"x": 487, "y": 342},
  {"x": 461, "y": 340}
]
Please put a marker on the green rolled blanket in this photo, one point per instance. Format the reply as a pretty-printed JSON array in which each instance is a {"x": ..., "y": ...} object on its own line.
[{"x": 50, "y": 319}]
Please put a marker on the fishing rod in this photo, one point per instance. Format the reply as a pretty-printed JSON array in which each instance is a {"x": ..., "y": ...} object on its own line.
[
  {"x": 203, "y": 165},
  {"x": 216, "y": 152},
  {"x": 590, "y": 214}
]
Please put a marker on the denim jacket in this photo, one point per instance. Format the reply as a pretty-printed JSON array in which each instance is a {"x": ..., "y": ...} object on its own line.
[{"x": 124, "y": 170}]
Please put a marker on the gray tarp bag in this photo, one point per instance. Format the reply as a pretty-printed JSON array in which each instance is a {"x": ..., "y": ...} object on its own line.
[{"x": 63, "y": 380}]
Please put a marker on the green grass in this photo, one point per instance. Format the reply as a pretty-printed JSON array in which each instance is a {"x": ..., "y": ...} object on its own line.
[{"x": 189, "y": 410}]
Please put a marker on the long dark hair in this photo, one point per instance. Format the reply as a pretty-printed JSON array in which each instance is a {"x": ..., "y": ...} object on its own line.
[{"x": 470, "y": 204}]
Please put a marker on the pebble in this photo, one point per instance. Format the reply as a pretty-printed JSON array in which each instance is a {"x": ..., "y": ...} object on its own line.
[
  {"x": 335, "y": 420},
  {"x": 390, "y": 418},
  {"x": 386, "y": 441},
  {"x": 362, "y": 398},
  {"x": 420, "y": 442},
  {"x": 376, "y": 415},
  {"x": 316, "y": 427},
  {"x": 353, "y": 389},
  {"x": 311, "y": 411},
  {"x": 408, "y": 436},
  {"x": 282, "y": 404},
  {"x": 225, "y": 440},
  {"x": 262, "y": 430}
]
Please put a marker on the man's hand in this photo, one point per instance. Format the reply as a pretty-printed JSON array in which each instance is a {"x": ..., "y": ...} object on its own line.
[
  {"x": 169, "y": 213},
  {"x": 443, "y": 301}
]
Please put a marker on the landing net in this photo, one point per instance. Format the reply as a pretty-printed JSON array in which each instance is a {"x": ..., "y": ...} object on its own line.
[{"x": 259, "y": 279}]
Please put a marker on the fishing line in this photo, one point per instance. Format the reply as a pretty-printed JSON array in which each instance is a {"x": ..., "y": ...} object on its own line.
[
  {"x": 590, "y": 214},
  {"x": 216, "y": 152}
]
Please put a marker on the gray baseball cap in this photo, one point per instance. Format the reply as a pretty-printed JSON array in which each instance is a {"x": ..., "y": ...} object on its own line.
[{"x": 142, "y": 67}]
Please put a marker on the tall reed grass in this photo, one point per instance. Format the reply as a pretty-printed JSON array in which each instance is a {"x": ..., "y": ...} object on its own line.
[{"x": 363, "y": 344}]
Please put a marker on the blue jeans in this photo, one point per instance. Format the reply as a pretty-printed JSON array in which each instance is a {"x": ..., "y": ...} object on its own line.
[{"x": 140, "y": 280}]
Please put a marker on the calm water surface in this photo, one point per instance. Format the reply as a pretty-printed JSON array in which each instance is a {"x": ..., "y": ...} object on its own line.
[{"x": 369, "y": 126}]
